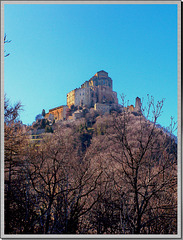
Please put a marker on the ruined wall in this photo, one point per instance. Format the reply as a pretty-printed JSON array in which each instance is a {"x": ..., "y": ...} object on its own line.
[{"x": 138, "y": 104}]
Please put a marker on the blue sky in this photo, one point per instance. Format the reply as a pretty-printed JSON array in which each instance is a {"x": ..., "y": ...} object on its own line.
[{"x": 55, "y": 48}]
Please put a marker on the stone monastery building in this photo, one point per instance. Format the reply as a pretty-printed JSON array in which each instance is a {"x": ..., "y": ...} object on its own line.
[
  {"x": 97, "y": 90},
  {"x": 95, "y": 93}
]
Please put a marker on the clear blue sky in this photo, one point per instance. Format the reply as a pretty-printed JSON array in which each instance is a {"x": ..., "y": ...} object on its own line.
[{"x": 55, "y": 48}]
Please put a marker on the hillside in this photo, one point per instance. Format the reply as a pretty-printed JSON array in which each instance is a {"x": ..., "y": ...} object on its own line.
[{"x": 102, "y": 174}]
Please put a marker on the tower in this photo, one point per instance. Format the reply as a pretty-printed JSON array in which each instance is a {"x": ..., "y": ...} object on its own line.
[{"x": 138, "y": 104}]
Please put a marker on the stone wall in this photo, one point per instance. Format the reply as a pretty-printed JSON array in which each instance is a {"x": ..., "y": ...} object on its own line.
[
  {"x": 59, "y": 113},
  {"x": 138, "y": 104},
  {"x": 102, "y": 108},
  {"x": 71, "y": 98},
  {"x": 97, "y": 90},
  {"x": 106, "y": 95},
  {"x": 82, "y": 97}
]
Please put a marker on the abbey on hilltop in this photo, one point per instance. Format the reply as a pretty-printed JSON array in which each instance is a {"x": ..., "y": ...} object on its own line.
[
  {"x": 96, "y": 94},
  {"x": 97, "y": 90}
]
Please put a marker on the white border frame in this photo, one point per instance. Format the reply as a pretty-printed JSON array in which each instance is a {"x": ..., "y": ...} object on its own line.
[{"x": 95, "y": 236}]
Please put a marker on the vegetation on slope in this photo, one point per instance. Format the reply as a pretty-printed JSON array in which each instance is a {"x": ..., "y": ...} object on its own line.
[{"x": 110, "y": 174}]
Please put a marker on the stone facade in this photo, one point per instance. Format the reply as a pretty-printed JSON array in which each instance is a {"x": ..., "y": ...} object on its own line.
[
  {"x": 78, "y": 97},
  {"x": 96, "y": 93},
  {"x": 97, "y": 90},
  {"x": 102, "y": 108},
  {"x": 71, "y": 98},
  {"x": 59, "y": 113}
]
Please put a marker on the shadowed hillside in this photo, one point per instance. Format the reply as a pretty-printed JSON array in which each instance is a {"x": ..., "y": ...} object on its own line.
[{"x": 112, "y": 173}]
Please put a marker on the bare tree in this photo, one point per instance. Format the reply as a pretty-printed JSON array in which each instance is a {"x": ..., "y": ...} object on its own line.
[
  {"x": 62, "y": 181},
  {"x": 146, "y": 170},
  {"x": 118, "y": 176},
  {"x": 14, "y": 149}
]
